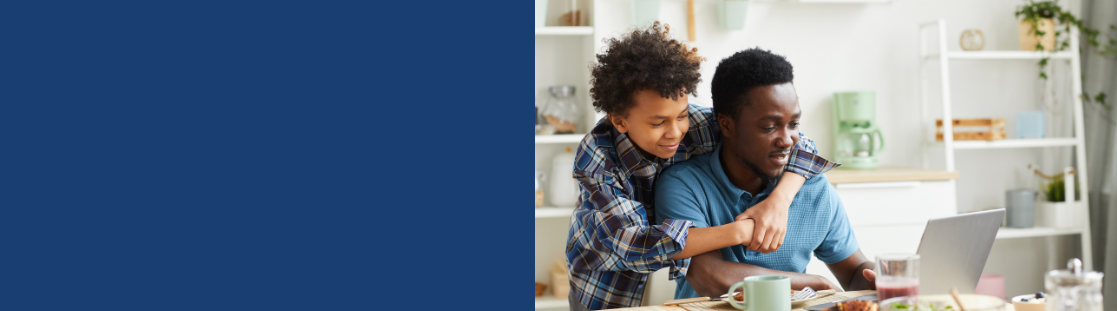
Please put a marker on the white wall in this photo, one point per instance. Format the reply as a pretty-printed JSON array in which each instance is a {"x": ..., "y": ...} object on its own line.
[{"x": 840, "y": 47}]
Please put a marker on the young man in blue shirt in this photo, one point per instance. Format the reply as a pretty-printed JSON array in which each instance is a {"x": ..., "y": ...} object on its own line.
[{"x": 758, "y": 115}]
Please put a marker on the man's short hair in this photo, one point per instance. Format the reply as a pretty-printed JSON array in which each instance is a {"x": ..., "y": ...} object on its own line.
[
  {"x": 643, "y": 59},
  {"x": 740, "y": 73}
]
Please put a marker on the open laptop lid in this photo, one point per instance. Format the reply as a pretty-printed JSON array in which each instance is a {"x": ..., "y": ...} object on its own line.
[{"x": 954, "y": 249}]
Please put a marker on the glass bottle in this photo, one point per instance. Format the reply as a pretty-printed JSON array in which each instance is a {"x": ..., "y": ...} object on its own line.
[{"x": 561, "y": 111}]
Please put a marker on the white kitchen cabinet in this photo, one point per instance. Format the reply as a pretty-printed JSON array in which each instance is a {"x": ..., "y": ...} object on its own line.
[{"x": 888, "y": 208}]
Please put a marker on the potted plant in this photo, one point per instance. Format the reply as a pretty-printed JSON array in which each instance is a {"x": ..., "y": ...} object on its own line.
[
  {"x": 1039, "y": 32},
  {"x": 1056, "y": 209}
]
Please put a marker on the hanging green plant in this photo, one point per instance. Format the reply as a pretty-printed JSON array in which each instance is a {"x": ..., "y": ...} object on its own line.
[{"x": 1035, "y": 12}]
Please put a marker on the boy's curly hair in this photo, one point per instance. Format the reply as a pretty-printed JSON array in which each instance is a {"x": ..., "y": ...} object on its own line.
[{"x": 643, "y": 59}]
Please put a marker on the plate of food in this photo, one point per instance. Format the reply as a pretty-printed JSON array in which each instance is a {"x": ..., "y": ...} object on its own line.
[{"x": 971, "y": 302}]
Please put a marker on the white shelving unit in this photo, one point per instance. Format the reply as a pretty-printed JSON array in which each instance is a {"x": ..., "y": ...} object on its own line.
[
  {"x": 1012, "y": 233},
  {"x": 1078, "y": 141},
  {"x": 1016, "y": 143},
  {"x": 1001, "y": 55},
  {"x": 551, "y": 212},
  {"x": 564, "y": 31},
  {"x": 562, "y": 57},
  {"x": 559, "y": 139},
  {"x": 550, "y": 302}
]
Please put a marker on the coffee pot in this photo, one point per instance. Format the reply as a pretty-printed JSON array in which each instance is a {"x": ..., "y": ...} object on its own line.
[{"x": 857, "y": 139}]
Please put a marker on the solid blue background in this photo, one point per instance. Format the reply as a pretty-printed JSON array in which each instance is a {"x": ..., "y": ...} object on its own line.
[{"x": 261, "y": 156}]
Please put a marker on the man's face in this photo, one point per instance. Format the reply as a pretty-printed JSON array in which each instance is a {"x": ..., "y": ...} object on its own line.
[
  {"x": 655, "y": 124},
  {"x": 764, "y": 133}
]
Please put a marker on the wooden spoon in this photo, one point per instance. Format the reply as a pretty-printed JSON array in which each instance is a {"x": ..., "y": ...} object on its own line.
[{"x": 954, "y": 293}]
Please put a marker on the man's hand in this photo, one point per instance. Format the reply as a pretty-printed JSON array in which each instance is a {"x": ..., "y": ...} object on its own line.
[
  {"x": 771, "y": 224},
  {"x": 868, "y": 280}
]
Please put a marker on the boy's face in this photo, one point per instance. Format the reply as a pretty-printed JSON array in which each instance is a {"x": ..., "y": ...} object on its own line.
[
  {"x": 764, "y": 133},
  {"x": 655, "y": 124}
]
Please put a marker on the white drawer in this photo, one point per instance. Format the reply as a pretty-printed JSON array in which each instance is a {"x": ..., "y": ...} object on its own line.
[{"x": 897, "y": 203}]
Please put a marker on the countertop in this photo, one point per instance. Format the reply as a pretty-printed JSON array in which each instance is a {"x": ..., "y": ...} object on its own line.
[{"x": 887, "y": 174}]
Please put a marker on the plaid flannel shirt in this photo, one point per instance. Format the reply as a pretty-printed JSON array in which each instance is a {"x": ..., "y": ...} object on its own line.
[{"x": 612, "y": 247}]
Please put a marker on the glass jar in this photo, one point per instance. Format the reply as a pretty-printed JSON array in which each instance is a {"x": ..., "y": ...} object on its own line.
[
  {"x": 560, "y": 113},
  {"x": 1074, "y": 289}
]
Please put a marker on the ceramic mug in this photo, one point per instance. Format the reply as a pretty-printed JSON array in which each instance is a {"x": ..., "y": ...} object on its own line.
[{"x": 763, "y": 293}]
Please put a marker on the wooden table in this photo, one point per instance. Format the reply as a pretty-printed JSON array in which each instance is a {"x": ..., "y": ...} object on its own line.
[{"x": 724, "y": 306}]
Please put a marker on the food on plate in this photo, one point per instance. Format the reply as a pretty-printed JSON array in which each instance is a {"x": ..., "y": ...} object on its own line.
[
  {"x": 922, "y": 307},
  {"x": 853, "y": 305}
]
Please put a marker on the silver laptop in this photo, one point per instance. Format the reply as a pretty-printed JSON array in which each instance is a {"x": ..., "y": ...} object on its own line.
[{"x": 953, "y": 251}]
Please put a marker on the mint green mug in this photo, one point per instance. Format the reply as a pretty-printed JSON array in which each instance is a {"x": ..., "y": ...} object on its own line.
[{"x": 763, "y": 293}]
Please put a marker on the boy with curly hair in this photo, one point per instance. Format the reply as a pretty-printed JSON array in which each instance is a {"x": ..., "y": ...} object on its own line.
[{"x": 642, "y": 82}]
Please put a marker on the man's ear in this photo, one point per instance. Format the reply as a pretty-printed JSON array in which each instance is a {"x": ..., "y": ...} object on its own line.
[
  {"x": 619, "y": 123},
  {"x": 726, "y": 125}
]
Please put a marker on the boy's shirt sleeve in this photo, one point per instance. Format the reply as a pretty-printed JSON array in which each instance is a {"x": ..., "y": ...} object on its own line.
[
  {"x": 610, "y": 231},
  {"x": 806, "y": 161}
]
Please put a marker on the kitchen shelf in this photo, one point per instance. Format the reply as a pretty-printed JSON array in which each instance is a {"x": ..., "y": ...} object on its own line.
[
  {"x": 549, "y": 212},
  {"x": 1010, "y": 233},
  {"x": 559, "y": 139},
  {"x": 548, "y": 301},
  {"x": 1002, "y": 55},
  {"x": 564, "y": 31},
  {"x": 1015, "y": 143},
  {"x": 1076, "y": 140}
]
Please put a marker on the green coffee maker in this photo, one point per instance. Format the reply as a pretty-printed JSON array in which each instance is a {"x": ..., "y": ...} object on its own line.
[{"x": 857, "y": 139}]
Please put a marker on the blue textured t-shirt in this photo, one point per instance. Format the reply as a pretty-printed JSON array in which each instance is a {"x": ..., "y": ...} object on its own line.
[{"x": 699, "y": 191}]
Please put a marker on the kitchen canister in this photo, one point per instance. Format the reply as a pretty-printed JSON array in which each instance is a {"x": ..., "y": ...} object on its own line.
[
  {"x": 1020, "y": 206},
  {"x": 1074, "y": 289},
  {"x": 564, "y": 189}
]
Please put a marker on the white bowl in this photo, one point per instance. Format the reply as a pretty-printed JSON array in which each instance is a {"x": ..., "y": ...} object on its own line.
[{"x": 972, "y": 302}]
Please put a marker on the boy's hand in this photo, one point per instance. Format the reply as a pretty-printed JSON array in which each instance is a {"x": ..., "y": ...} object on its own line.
[{"x": 771, "y": 224}]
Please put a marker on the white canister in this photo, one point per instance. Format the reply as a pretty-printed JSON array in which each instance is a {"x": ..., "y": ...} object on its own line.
[{"x": 564, "y": 189}]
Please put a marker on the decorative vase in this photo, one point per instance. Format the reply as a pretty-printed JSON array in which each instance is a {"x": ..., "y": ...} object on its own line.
[
  {"x": 1028, "y": 39},
  {"x": 645, "y": 12},
  {"x": 731, "y": 13}
]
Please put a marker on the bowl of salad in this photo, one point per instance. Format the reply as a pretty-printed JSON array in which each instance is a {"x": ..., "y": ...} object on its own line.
[{"x": 972, "y": 302}]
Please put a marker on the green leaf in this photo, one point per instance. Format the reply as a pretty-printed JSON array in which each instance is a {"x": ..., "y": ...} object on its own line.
[
  {"x": 1043, "y": 76},
  {"x": 1043, "y": 62},
  {"x": 1100, "y": 98}
]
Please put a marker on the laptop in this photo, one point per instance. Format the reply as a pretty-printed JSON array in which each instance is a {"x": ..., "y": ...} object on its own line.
[
  {"x": 954, "y": 249},
  {"x": 952, "y": 253}
]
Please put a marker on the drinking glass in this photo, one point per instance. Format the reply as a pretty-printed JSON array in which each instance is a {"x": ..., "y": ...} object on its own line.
[{"x": 897, "y": 275}]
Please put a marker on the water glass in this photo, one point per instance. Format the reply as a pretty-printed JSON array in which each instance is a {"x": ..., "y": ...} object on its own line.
[{"x": 897, "y": 275}]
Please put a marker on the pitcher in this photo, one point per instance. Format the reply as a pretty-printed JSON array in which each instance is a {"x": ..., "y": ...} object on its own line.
[{"x": 1074, "y": 289}]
